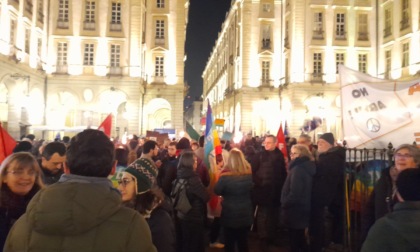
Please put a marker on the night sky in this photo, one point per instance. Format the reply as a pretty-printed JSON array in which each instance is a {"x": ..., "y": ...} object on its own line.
[{"x": 204, "y": 24}]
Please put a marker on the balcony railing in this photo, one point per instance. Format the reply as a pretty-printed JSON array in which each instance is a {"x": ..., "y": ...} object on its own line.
[
  {"x": 318, "y": 34},
  {"x": 404, "y": 24},
  {"x": 387, "y": 31},
  {"x": 266, "y": 44},
  {"x": 340, "y": 35},
  {"x": 115, "y": 71},
  {"x": 62, "y": 24},
  {"x": 160, "y": 41},
  {"x": 89, "y": 25},
  {"x": 115, "y": 27},
  {"x": 363, "y": 36},
  {"x": 61, "y": 69},
  {"x": 317, "y": 77}
]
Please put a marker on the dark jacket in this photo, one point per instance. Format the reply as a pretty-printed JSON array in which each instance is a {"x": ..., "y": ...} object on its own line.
[
  {"x": 197, "y": 195},
  {"x": 79, "y": 214},
  {"x": 163, "y": 230},
  {"x": 167, "y": 174},
  {"x": 328, "y": 181},
  {"x": 268, "y": 174},
  {"x": 397, "y": 231},
  {"x": 12, "y": 206},
  {"x": 236, "y": 205},
  {"x": 296, "y": 193},
  {"x": 380, "y": 202}
]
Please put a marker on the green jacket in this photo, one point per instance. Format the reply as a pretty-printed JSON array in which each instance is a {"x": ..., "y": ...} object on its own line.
[
  {"x": 397, "y": 231},
  {"x": 80, "y": 217}
]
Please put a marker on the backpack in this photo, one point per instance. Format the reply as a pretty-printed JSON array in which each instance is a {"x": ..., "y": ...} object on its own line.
[{"x": 179, "y": 197}]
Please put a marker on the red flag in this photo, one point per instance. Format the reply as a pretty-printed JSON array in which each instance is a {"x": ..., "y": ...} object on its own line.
[
  {"x": 106, "y": 125},
  {"x": 7, "y": 144},
  {"x": 281, "y": 142}
]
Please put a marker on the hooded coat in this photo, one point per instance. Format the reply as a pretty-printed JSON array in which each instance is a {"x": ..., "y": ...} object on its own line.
[
  {"x": 398, "y": 231},
  {"x": 79, "y": 214}
]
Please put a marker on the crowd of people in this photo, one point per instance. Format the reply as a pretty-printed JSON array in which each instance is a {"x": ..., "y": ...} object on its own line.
[{"x": 90, "y": 194}]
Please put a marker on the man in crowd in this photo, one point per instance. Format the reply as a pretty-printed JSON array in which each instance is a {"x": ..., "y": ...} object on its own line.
[
  {"x": 327, "y": 191},
  {"x": 150, "y": 150},
  {"x": 306, "y": 140},
  {"x": 82, "y": 212},
  {"x": 167, "y": 172},
  {"x": 52, "y": 158},
  {"x": 269, "y": 174},
  {"x": 399, "y": 230}
]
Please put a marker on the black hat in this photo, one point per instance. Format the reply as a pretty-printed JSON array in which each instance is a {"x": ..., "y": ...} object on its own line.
[
  {"x": 329, "y": 137},
  {"x": 408, "y": 184},
  {"x": 183, "y": 144},
  {"x": 23, "y": 146}
]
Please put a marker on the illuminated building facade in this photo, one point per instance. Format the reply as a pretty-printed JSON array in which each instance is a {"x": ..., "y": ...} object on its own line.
[
  {"x": 276, "y": 61},
  {"x": 67, "y": 64}
]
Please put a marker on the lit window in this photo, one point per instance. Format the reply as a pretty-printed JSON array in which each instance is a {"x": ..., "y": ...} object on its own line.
[
  {"x": 160, "y": 3},
  {"x": 340, "y": 25},
  {"x": 160, "y": 29},
  {"x": 363, "y": 27},
  {"x": 388, "y": 23},
  {"x": 339, "y": 60},
  {"x": 317, "y": 64},
  {"x": 27, "y": 39},
  {"x": 159, "y": 61},
  {"x": 63, "y": 10},
  {"x": 265, "y": 71},
  {"x": 405, "y": 55},
  {"x": 40, "y": 11},
  {"x": 266, "y": 7},
  {"x": 90, "y": 12},
  {"x": 115, "y": 56},
  {"x": 89, "y": 55},
  {"x": 405, "y": 14},
  {"x": 12, "y": 31},
  {"x": 318, "y": 26},
  {"x": 387, "y": 63},
  {"x": 62, "y": 54},
  {"x": 362, "y": 63},
  {"x": 116, "y": 13}
]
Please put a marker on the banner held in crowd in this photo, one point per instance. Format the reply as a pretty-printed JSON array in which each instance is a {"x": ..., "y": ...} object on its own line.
[
  {"x": 281, "y": 142},
  {"x": 7, "y": 144},
  {"x": 191, "y": 131},
  {"x": 106, "y": 125}
]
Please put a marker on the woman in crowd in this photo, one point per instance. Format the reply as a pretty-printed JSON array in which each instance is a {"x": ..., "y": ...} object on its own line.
[
  {"x": 190, "y": 226},
  {"x": 234, "y": 186},
  {"x": 383, "y": 197},
  {"x": 136, "y": 189},
  {"x": 20, "y": 179},
  {"x": 214, "y": 206},
  {"x": 296, "y": 196}
]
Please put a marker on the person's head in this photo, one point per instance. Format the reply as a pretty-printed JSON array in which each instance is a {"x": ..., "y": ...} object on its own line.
[
  {"x": 23, "y": 146},
  {"x": 325, "y": 142},
  {"x": 121, "y": 155},
  {"x": 406, "y": 156},
  {"x": 201, "y": 141},
  {"x": 31, "y": 137},
  {"x": 151, "y": 148},
  {"x": 53, "y": 156},
  {"x": 172, "y": 149},
  {"x": 188, "y": 160},
  {"x": 270, "y": 143},
  {"x": 183, "y": 144},
  {"x": 66, "y": 139},
  {"x": 220, "y": 162},
  {"x": 237, "y": 163},
  {"x": 20, "y": 172},
  {"x": 408, "y": 184},
  {"x": 304, "y": 139},
  {"x": 300, "y": 150},
  {"x": 91, "y": 154},
  {"x": 194, "y": 146}
]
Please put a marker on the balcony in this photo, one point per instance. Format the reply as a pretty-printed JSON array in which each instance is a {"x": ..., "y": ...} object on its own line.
[
  {"x": 61, "y": 69},
  {"x": 317, "y": 78},
  {"x": 89, "y": 25},
  {"x": 404, "y": 24},
  {"x": 62, "y": 24},
  {"x": 387, "y": 31},
  {"x": 160, "y": 41},
  {"x": 115, "y": 71},
  {"x": 115, "y": 27},
  {"x": 340, "y": 35},
  {"x": 318, "y": 34},
  {"x": 266, "y": 44},
  {"x": 363, "y": 36}
]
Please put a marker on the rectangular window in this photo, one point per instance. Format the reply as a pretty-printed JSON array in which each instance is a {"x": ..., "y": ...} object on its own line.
[
  {"x": 317, "y": 64},
  {"x": 115, "y": 56},
  {"x": 318, "y": 26},
  {"x": 160, "y": 3},
  {"x": 116, "y": 13},
  {"x": 405, "y": 14},
  {"x": 388, "y": 23},
  {"x": 39, "y": 46},
  {"x": 387, "y": 63},
  {"x": 159, "y": 66},
  {"x": 28, "y": 6},
  {"x": 63, "y": 10},
  {"x": 62, "y": 54},
  {"x": 40, "y": 11},
  {"x": 90, "y": 12},
  {"x": 363, "y": 27},
  {"x": 160, "y": 29},
  {"x": 405, "y": 54},
  {"x": 89, "y": 55},
  {"x": 12, "y": 31},
  {"x": 339, "y": 60},
  {"x": 265, "y": 71},
  {"x": 340, "y": 32},
  {"x": 362, "y": 63},
  {"x": 266, "y": 7},
  {"x": 27, "y": 39}
]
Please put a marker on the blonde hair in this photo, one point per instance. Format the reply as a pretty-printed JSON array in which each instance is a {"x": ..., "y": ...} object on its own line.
[
  {"x": 21, "y": 160},
  {"x": 237, "y": 163},
  {"x": 303, "y": 151}
]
